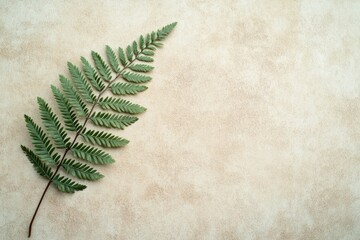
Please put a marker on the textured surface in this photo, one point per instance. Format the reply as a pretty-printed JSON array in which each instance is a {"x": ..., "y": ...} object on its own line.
[{"x": 252, "y": 129}]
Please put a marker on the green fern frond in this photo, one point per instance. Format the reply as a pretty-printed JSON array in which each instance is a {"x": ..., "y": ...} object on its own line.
[
  {"x": 119, "y": 73},
  {"x": 91, "y": 154},
  {"x": 81, "y": 84},
  {"x": 52, "y": 125},
  {"x": 120, "y": 105},
  {"x": 103, "y": 68},
  {"x": 92, "y": 75},
  {"x": 112, "y": 120},
  {"x": 69, "y": 116},
  {"x": 73, "y": 97},
  {"x": 106, "y": 140},
  {"x": 127, "y": 88},
  {"x": 81, "y": 170}
]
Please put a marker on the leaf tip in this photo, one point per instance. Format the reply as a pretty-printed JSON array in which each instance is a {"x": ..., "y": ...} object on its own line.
[
  {"x": 27, "y": 118},
  {"x": 40, "y": 100},
  {"x": 61, "y": 77}
]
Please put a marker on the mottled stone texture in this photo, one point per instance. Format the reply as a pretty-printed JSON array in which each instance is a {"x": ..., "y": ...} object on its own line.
[{"x": 252, "y": 129}]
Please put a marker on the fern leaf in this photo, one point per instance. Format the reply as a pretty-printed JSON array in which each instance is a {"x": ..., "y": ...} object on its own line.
[
  {"x": 135, "y": 77},
  {"x": 122, "y": 57},
  {"x": 141, "y": 68},
  {"x": 141, "y": 42},
  {"x": 112, "y": 120},
  {"x": 153, "y": 36},
  {"x": 127, "y": 88},
  {"x": 53, "y": 125},
  {"x": 147, "y": 40},
  {"x": 135, "y": 48},
  {"x": 66, "y": 184},
  {"x": 150, "y": 47},
  {"x": 129, "y": 54},
  {"x": 144, "y": 58},
  {"x": 103, "y": 139},
  {"x": 72, "y": 96},
  {"x": 91, "y": 154},
  {"x": 130, "y": 64},
  {"x": 148, "y": 53},
  {"x": 114, "y": 63},
  {"x": 81, "y": 84},
  {"x": 81, "y": 170},
  {"x": 39, "y": 166},
  {"x": 103, "y": 68},
  {"x": 69, "y": 116},
  {"x": 92, "y": 75},
  {"x": 120, "y": 105},
  {"x": 41, "y": 142},
  {"x": 157, "y": 44}
]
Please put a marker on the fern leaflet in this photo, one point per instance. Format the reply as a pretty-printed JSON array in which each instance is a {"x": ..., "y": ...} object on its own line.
[
  {"x": 112, "y": 120},
  {"x": 91, "y": 154},
  {"x": 112, "y": 59},
  {"x": 52, "y": 125},
  {"x": 106, "y": 140},
  {"x": 127, "y": 88},
  {"x": 81, "y": 170},
  {"x": 121, "y": 105},
  {"x": 92, "y": 75},
  {"x": 81, "y": 84}
]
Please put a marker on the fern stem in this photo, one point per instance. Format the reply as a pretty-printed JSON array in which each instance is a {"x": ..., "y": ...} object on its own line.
[
  {"x": 77, "y": 135},
  {"x": 42, "y": 196}
]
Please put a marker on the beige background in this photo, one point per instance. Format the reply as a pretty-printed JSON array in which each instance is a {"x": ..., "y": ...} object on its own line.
[{"x": 252, "y": 129}]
